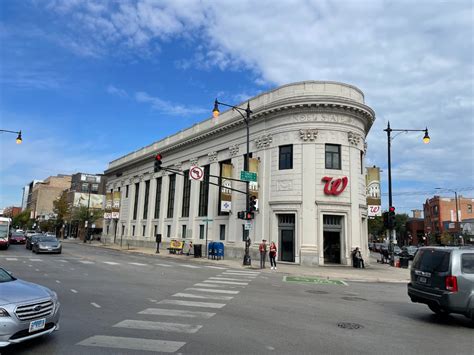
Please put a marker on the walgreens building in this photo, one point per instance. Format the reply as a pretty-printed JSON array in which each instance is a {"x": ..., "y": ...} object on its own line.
[{"x": 307, "y": 148}]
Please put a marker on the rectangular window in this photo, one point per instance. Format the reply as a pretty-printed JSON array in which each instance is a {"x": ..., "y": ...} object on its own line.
[
  {"x": 201, "y": 231},
  {"x": 222, "y": 232},
  {"x": 333, "y": 156},
  {"x": 133, "y": 231},
  {"x": 245, "y": 233},
  {"x": 186, "y": 194},
  {"x": 467, "y": 263},
  {"x": 362, "y": 163},
  {"x": 145, "y": 203},
  {"x": 204, "y": 193},
  {"x": 108, "y": 229},
  {"x": 469, "y": 208},
  {"x": 126, "y": 191},
  {"x": 119, "y": 189},
  {"x": 143, "y": 231},
  {"x": 183, "y": 231},
  {"x": 222, "y": 166},
  {"x": 123, "y": 230},
  {"x": 155, "y": 230},
  {"x": 157, "y": 198},
  {"x": 168, "y": 231},
  {"x": 135, "y": 204},
  {"x": 85, "y": 187},
  {"x": 286, "y": 157},
  {"x": 171, "y": 196}
]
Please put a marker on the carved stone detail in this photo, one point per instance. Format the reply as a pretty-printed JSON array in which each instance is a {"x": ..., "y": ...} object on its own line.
[
  {"x": 308, "y": 134},
  {"x": 354, "y": 138},
  {"x": 284, "y": 185},
  {"x": 212, "y": 157},
  {"x": 365, "y": 147},
  {"x": 177, "y": 166},
  {"x": 234, "y": 150},
  {"x": 263, "y": 141},
  {"x": 193, "y": 161}
]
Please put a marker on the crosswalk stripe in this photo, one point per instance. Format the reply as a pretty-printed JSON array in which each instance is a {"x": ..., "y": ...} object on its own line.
[
  {"x": 177, "y": 313},
  {"x": 210, "y": 297},
  {"x": 244, "y": 272},
  {"x": 193, "y": 304},
  {"x": 86, "y": 262},
  {"x": 227, "y": 279},
  {"x": 36, "y": 259},
  {"x": 111, "y": 263},
  {"x": 216, "y": 285},
  {"x": 138, "y": 264},
  {"x": 226, "y": 282},
  {"x": 211, "y": 290},
  {"x": 63, "y": 261},
  {"x": 12, "y": 259},
  {"x": 216, "y": 267},
  {"x": 166, "y": 327},
  {"x": 104, "y": 341},
  {"x": 190, "y": 266},
  {"x": 229, "y": 273},
  {"x": 164, "y": 265}
]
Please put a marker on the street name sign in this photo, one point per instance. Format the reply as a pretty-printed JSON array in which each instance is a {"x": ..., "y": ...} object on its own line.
[{"x": 248, "y": 176}]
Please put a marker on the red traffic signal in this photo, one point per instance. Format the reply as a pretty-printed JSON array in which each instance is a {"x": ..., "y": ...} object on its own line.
[
  {"x": 391, "y": 209},
  {"x": 158, "y": 162}
]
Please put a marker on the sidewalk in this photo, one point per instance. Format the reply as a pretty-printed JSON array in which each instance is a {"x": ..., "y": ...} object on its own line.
[{"x": 372, "y": 273}]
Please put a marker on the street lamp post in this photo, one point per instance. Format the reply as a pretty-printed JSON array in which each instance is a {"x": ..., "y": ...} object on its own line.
[
  {"x": 246, "y": 117},
  {"x": 457, "y": 229},
  {"x": 88, "y": 216},
  {"x": 389, "y": 130},
  {"x": 18, "y": 138}
]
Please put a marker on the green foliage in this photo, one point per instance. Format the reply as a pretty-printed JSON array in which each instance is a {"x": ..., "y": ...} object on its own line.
[
  {"x": 22, "y": 220},
  {"x": 80, "y": 214},
  {"x": 400, "y": 223},
  {"x": 376, "y": 227},
  {"x": 48, "y": 225},
  {"x": 446, "y": 238},
  {"x": 61, "y": 209}
]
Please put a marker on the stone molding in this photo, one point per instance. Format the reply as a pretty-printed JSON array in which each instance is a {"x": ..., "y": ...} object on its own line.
[
  {"x": 234, "y": 150},
  {"x": 264, "y": 141},
  {"x": 308, "y": 134},
  {"x": 212, "y": 157},
  {"x": 193, "y": 161},
  {"x": 354, "y": 138}
]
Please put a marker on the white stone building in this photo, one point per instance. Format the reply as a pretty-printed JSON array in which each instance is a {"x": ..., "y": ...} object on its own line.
[{"x": 309, "y": 141}]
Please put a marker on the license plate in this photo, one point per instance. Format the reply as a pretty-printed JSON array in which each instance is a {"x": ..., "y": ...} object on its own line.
[
  {"x": 50, "y": 249},
  {"x": 422, "y": 279},
  {"x": 37, "y": 324}
]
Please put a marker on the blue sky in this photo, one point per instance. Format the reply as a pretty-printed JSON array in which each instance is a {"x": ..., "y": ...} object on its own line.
[{"x": 89, "y": 81}]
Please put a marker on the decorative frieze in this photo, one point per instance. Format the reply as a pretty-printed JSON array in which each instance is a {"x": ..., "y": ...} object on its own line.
[
  {"x": 284, "y": 185},
  {"x": 177, "y": 166},
  {"x": 233, "y": 150},
  {"x": 263, "y": 141},
  {"x": 193, "y": 161},
  {"x": 354, "y": 138},
  {"x": 212, "y": 157},
  {"x": 365, "y": 147},
  {"x": 308, "y": 134}
]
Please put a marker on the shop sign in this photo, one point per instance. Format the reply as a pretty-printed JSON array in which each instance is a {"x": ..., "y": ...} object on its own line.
[{"x": 334, "y": 186}]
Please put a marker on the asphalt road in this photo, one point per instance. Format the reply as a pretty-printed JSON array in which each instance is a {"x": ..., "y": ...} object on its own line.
[{"x": 117, "y": 303}]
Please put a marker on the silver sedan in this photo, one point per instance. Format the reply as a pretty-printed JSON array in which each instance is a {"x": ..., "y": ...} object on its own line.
[{"x": 27, "y": 310}]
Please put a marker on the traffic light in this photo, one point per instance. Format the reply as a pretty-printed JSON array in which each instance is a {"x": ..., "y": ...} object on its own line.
[
  {"x": 391, "y": 217},
  {"x": 249, "y": 216},
  {"x": 158, "y": 162},
  {"x": 245, "y": 215},
  {"x": 252, "y": 203},
  {"x": 385, "y": 220},
  {"x": 241, "y": 215}
]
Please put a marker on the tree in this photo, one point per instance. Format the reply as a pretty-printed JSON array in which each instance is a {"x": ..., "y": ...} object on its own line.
[
  {"x": 446, "y": 238},
  {"x": 400, "y": 223},
  {"x": 375, "y": 226},
  {"x": 62, "y": 210},
  {"x": 22, "y": 220}
]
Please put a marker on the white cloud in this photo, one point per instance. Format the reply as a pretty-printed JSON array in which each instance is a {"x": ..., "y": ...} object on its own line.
[{"x": 168, "y": 107}]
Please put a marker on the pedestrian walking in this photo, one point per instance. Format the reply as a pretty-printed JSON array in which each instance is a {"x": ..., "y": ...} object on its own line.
[
  {"x": 262, "y": 248},
  {"x": 273, "y": 254}
]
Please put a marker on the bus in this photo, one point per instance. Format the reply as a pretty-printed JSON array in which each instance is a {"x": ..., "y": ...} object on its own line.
[{"x": 5, "y": 223}]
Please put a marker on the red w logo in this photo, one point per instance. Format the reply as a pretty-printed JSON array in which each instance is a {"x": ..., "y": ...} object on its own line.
[{"x": 334, "y": 187}]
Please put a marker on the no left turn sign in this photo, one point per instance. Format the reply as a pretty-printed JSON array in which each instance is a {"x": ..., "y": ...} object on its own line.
[{"x": 196, "y": 173}]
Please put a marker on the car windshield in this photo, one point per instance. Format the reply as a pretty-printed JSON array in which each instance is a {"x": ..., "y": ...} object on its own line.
[
  {"x": 47, "y": 239},
  {"x": 15, "y": 234},
  {"x": 432, "y": 260},
  {"x": 5, "y": 276}
]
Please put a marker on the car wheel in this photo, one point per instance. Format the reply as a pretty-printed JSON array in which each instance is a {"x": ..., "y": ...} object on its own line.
[{"x": 438, "y": 310}]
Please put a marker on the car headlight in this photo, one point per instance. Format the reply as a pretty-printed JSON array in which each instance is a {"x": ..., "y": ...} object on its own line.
[{"x": 4, "y": 313}]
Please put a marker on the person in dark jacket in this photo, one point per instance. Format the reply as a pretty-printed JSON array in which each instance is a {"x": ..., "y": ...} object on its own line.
[
  {"x": 262, "y": 248},
  {"x": 272, "y": 254}
]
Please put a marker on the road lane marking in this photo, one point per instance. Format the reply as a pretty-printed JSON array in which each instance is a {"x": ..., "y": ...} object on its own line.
[
  {"x": 190, "y": 266},
  {"x": 216, "y": 267},
  {"x": 45, "y": 274},
  {"x": 209, "y": 297},
  {"x": 36, "y": 259},
  {"x": 138, "y": 264},
  {"x": 63, "y": 261},
  {"x": 86, "y": 262},
  {"x": 211, "y": 290},
  {"x": 226, "y": 282},
  {"x": 30, "y": 265},
  {"x": 12, "y": 259},
  {"x": 206, "y": 285},
  {"x": 95, "y": 305},
  {"x": 164, "y": 265},
  {"x": 58, "y": 282},
  {"x": 193, "y": 304},
  {"x": 73, "y": 290},
  {"x": 165, "y": 327},
  {"x": 228, "y": 279},
  {"x": 111, "y": 263},
  {"x": 37, "y": 270},
  {"x": 164, "y": 346},
  {"x": 177, "y": 313}
]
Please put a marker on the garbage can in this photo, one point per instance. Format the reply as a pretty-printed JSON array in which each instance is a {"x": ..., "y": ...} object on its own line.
[
  {"x": 404, "y": 262},
  {"x": 197, "y": 250}
]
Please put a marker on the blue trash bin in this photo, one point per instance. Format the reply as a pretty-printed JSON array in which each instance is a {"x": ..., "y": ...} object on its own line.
[
  {"x": 220, "y": 250},
  {"x": 210, "y": 250}
]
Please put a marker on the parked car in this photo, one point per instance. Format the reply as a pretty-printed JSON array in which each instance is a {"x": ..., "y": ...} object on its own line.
[
  {"x": 17, "y": 238},
  {"x": 29, "y": 233},
  {"x": 397, "y": 250},
  {"x": 27, "y": 310},
  {"x": 46, "y": 244},
  {"x": 50, "y": 234},
  {"x": 4, "y": 243},
  {"x": 32, "y": 240},
  {"x": 410, "y": 250},
  {"x": 443, "y": 279}
]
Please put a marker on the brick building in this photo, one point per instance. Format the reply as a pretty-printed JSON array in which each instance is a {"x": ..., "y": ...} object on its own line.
[
  {"x": 42, "y": 194},
  {"x": 440, "y": 213}
]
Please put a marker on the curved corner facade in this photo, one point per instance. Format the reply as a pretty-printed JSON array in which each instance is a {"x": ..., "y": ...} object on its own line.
[{"x": 307, "y": 144}]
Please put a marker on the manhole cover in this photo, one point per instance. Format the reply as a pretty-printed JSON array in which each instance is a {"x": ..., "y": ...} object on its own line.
[
  {"x": 351, "y": 298},
  {"x": 317, "y": 292},
  {"x": 347, "y": 325}
]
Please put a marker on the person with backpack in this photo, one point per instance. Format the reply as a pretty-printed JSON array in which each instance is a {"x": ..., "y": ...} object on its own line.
[
  {"x": 272, "y": 254},
  {"x": 262, "y": 248}
]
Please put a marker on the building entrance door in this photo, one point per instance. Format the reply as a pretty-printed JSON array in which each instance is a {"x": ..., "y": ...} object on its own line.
[
  {"x": 286, "y": 232},
  {"x": 332, "y": 230}
]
